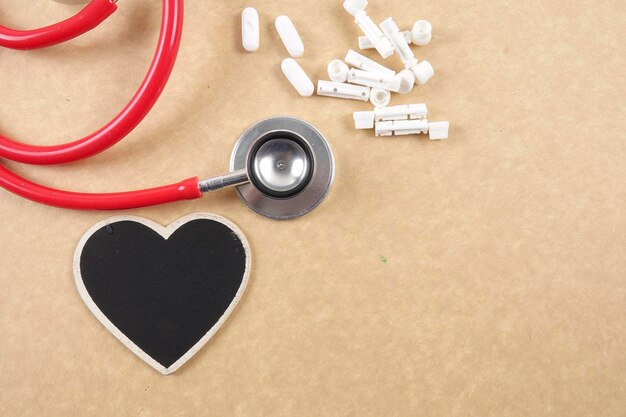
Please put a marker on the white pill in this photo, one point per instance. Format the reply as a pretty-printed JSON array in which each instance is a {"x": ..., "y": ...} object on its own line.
[
  {"x": 289, "y": 35},
  {"x": 250, "y": 29},
  {"x": 338, "y": 71},
  {"x": 297, "y": 77}
]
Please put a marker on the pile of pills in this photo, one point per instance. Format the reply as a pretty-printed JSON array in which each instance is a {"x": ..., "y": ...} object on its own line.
[{"x": 357, "y": 77}]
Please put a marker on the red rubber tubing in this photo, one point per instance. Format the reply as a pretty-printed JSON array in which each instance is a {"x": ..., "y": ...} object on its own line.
[
  {"x": 184, "y": 190},
  {"x": 134, "y": 112},
  {"x": 88, "y": 18}
]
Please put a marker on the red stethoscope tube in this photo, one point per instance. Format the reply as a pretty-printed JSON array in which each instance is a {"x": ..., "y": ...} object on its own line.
[
  {"x": 134, "y": 112},
  {"x": 90, "y": 17},
  {"x": 184, "y": 190}
]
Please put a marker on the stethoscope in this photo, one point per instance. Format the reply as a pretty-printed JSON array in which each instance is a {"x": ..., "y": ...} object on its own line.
[{"x": 281, "y": 167}]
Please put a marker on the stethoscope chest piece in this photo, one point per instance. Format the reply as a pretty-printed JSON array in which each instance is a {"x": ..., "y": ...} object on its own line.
[{"x": 289, "y": 164}]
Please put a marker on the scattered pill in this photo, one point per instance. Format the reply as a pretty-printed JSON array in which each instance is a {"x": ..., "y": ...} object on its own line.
[
  {"x": 289, "y": 35},
  {"x": 297, "y": 77},
  {"x": 250, "y": 29}
]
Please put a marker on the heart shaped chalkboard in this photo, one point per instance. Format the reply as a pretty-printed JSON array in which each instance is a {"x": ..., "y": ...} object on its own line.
[{"x": 162, "y": 291}]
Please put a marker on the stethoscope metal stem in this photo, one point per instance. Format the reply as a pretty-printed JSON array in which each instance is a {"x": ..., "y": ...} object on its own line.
[{"x": 232, "y": 179}]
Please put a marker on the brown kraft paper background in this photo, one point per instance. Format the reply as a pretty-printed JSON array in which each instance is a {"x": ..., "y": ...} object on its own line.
[{"x": 480, "y": 276}]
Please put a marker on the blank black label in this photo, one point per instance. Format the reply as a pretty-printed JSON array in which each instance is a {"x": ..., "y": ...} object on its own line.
[{"x": 164, "y": 295}]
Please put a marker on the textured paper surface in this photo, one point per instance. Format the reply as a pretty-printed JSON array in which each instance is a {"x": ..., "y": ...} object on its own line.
[{"x": 484, "y": 275}]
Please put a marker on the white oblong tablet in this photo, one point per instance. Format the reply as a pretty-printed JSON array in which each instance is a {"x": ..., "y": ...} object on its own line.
[
  {"x": 250, "y": 29},
  {"x": 289, "y": 35},
  {"x": 297, "y": 77}
]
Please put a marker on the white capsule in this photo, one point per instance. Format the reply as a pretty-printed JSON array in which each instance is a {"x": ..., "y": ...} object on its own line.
[
  {"x": 250, "y": 29},
  {"x": 354, "y": 6},
  {"x": 342, "y": 90},
  {"x": 338, "y": 71},
  {"x": 438, "y": 130},
  {"x": 380, "y": 98},
  {"x": 364, "y": 42},
  {"x": 297, "y": 77},
  {"x": 289, "y": 35},
  {"x": 423, "y": 72},
  {"x": 374, "y": 80},
  {"x": 364, "y": 63},
  {"x": 422, "y": 32},
  {"x": 363, "y": 119},
  {"x": 400, "y": 45},
  {"x": 407, "y": 81},
  {"x": 375, "y": 35}
]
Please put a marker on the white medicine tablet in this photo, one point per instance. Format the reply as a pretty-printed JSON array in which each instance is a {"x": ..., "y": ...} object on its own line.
[
  {"x": 297, "y": 77},
  {"x": 250, "y": 29},
  {"x": 289, "y": 35}
]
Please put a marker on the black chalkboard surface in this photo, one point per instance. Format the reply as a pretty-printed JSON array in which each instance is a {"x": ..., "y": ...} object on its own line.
[{"x": 162, "y": 291}]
